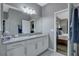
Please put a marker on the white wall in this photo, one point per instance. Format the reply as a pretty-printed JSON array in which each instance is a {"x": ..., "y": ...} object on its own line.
[
  {"x": 46, "y": 23},
  {"x": 48, "y": 14},
  {"x": 38, "y": 25},
  {"x": 63, "y": 14},
  {"x": 48, "y": 18},
  {"x": 43, "y": 25},
  {"x": 31, "y": 5}
]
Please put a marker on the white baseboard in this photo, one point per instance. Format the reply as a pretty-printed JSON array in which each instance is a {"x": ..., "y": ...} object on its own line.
[{"x": 50, "y": 49}]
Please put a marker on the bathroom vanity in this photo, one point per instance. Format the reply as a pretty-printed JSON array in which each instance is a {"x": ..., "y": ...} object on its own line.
[
  {"x": 16, "y": 22},
  {"x": 26, "y": 45}
]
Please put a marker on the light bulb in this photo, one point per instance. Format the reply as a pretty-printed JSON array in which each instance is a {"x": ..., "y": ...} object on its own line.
[{"x": 29, "y": 10}]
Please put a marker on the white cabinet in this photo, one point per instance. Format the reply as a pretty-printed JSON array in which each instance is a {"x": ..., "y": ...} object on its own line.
[
  {"x": 45, "y": 40},
  {"x": 15, "y": 50},
  {"x": 31, "y": 47},
  {"x": 37, "y": 46},
  {"x": 40, "y": 45},
  {"x": 31, "y": 51}
]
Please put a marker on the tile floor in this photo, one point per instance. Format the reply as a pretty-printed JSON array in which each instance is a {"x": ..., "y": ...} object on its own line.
[
  {"x": 62, "y": 49},
  {"x": 51, "y": 53}
]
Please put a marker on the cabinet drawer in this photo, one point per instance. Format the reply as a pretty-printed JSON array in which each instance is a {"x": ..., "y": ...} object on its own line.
[
  {"x": 30, "y": 41},
  {"x": 13, "y": 45},
  {"x": 16, "y": 51}
]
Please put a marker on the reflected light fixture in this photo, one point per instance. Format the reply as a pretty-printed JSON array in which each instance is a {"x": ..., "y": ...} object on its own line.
[{"x": 29, "y": 10}]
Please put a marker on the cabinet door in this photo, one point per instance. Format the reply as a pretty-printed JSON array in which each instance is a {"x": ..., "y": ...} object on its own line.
[
  {"x": 45, "y": 42},
  {"x": 16, "y": 51},
  {"x": 39, "y": 45},
  {"x": 31, "y": 49}
]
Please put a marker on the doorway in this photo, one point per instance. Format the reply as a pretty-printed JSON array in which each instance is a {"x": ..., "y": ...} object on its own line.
[{"x": 61, "y": 31}]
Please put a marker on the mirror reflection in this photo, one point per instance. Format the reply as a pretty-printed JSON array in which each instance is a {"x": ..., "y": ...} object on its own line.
[
  {"x": 62, "y": 25},
  {"x": 19, "y": 20}
]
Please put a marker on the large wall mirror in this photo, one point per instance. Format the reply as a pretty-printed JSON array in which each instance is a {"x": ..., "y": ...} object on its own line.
[{"x": 16, "y": 21}]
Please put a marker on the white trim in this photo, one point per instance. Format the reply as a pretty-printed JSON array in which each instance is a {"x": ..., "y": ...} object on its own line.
[
  {"x": 50, "y": 49},
  {"x": 68, "y": 48},
  {"x": 67, "y": 9},
  {"x": 55, "y": 32},
  {"x": 42, "y": 4},
  {"x": 9, "y": 6},
  {"x": 61, "y": 11}
]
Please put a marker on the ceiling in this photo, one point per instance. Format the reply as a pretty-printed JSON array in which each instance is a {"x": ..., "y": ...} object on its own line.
[
  {"x": 42, "y": 4},
  {"x": 6, "y": 7},
  {"x": 63, "y": 15}
]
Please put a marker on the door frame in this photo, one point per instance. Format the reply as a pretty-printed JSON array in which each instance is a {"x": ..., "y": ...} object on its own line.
[{"x": 55, "y": 44}]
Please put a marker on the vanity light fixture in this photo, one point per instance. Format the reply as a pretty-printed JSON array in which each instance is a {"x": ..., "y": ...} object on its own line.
[{"x": 29, "y": 10}]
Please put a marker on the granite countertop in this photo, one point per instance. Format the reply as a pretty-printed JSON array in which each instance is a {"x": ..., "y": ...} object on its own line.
[{"x": 22, "y": 38}]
